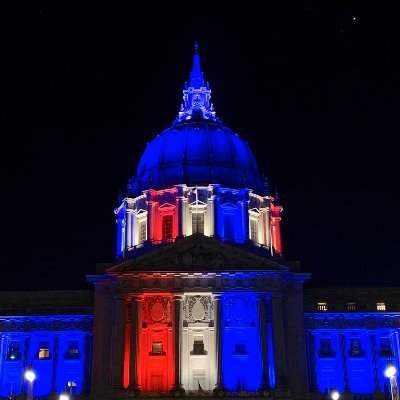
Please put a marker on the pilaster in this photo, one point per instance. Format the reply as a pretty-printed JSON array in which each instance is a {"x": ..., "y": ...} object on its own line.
[
  {"x": 219, "y": 386},
  {"x": 136, "y": 305},
  {"x": 118, "y": 343},
  {"x": 278, "y": 335},
  {"x": 178, "y": 320},
  {"x": 262, "y": 323}
]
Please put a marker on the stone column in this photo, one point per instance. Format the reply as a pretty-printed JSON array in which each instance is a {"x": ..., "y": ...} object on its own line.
[
  {"x": 210, "y": 219},
  {"x": 179, "y": 205},
  {"x": 311, "y": 361},
  {"x": 278, "y": 340},
  {"x": 178, "y": 321},
  {"x": 2, "y": 356},
  {"x": 118, "y": 342},
  {"x": 134, "y": 343},
  {"x": 26, "y": 361},
  {"x": 374, "y": 361},
  {"x": 342, "y": 343},
  {"x": 55, "y": 361},
  {"x": 129, "y": 228},
  {"x": 267, "y": 217},
  {"x": 262, "y": 323},
  {"x": 87, "y": 342},
  {"x": 218, "y": 341}
]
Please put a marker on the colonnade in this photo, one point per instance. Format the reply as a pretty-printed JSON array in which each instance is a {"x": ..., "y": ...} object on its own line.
[{"x": 126, "y": 373}]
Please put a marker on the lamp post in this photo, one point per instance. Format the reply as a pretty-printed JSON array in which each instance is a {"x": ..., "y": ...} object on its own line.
[
  {"x": 64, "y": 395},
  {"x": 30, "y": 376},
  {"x": 390, "y": 373},
  {"x": 335, "y": 395}
]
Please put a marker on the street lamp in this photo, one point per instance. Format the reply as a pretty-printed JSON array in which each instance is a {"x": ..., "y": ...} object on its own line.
[
  {"x": 390, "y": 372},
  {"x": 64, "y": 395},
  {"x": 30, "y": 376},
  {"x": 335, "y": 395}
]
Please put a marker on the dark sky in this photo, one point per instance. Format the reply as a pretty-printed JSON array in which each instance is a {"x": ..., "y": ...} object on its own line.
[{"x": 313, "y": 86}]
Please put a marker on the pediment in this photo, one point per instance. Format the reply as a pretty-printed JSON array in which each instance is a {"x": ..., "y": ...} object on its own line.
[
  {"x": 198, "y": 253},
  {"x": 167, "y": 205},
  {"x": 228, "y": 205}
]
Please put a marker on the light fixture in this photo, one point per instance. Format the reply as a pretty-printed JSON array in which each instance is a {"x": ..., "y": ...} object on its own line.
[
  {"x": 335, "y": 395},
  {"x": 390, "y": 370},
  {"x": 30, "y": 375},
  {"x": 64, "y": 395}
]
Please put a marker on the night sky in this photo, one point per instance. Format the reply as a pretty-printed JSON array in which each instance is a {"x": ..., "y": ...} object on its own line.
[{"x": 313, "y": 86}]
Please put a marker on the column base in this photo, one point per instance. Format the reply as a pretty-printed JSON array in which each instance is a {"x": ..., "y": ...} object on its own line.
[
  {"x": 379, "y": 395},
  {"x": 134, "y": 391},
  {"x": 177, "y": 391},
  {"x": 346, "y": 395},
  {"x": 265, "y": 392},
  {"x": 220, "y": 391},
  {"x": 117, "y": 393},
  {"x": 282, "y": 393}
]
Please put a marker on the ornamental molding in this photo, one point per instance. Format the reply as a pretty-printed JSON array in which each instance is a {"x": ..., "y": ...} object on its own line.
[
  {"x": 57, "y": 323},
  {"x": 198, "y": 309},
  {"x": 354, "y": 320},
  {"x": 206, "y": 282},
  {"x": 238, "y": 310},
  {"x": 157, "y": 310},
  {"x": 198, "y": 253}
]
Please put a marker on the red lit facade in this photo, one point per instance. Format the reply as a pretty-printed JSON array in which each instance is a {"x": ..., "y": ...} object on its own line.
[{"x": 155, "y": 357}]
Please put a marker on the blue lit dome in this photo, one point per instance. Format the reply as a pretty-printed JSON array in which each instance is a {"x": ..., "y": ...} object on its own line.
[{"x": 198, "y": 151}]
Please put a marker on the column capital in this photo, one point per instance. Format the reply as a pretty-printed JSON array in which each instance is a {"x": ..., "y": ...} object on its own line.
[
  {"x": 177, "y": 296},
  {"x": 276, "y": 296}
]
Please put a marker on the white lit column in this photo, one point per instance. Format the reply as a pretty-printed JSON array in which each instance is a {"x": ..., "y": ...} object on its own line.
[
  {"x": 267, "y": 223},
  {"x": 209, "y": 228},
  {"x": 128, "y": 228},
  {"x": 218, "y": 341}
]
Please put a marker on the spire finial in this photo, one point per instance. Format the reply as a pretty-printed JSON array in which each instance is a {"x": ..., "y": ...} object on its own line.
[{"x": 196, "y": 76}]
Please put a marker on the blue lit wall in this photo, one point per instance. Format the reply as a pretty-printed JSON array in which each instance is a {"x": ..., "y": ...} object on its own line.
[
  {"x": 53, "y": 372},
  {"x": 358, "y": 355},
  {"x": 241, "y": 361}
]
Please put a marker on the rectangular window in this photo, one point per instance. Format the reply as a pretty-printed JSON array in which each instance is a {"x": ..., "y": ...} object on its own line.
[
  {"x": 167, "y": 225},
  {"x": 351, "y": 306},
  {"x": 381, "y": 306},
  {"x": 14, "y": 352},
  {"x": 385, "y": 349},
  {"x": 142, "y": 231},
  {"x": 73, "y": 349},
  {"x": 198, "y": 347},
  {"x": 322, "y": 306},
  {"x": 157, "y": 348},
  {"x": 326, "y": 348},
  {"x": 44, "y": 351},
  {"x": 355, "y": 348},
  {"x": 254, "y": 230},
  {"x": 198, "y": 222},
  {"x": 240, "y": 349},
  {"x": 228, "y": 227}
]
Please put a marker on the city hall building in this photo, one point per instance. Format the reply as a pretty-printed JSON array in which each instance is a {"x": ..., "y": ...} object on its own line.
[{"x": 199, "y": 300}]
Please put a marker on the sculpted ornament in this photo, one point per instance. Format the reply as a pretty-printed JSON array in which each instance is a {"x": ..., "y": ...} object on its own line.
[
  {"x": 198, "y": 309},
  {"x": 157, "y": 310}
]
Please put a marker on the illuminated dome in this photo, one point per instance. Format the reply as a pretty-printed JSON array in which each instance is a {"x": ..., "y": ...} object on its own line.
[
  {"x": 198, "y": 152},
  {"x": 197, "y": 149}
]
